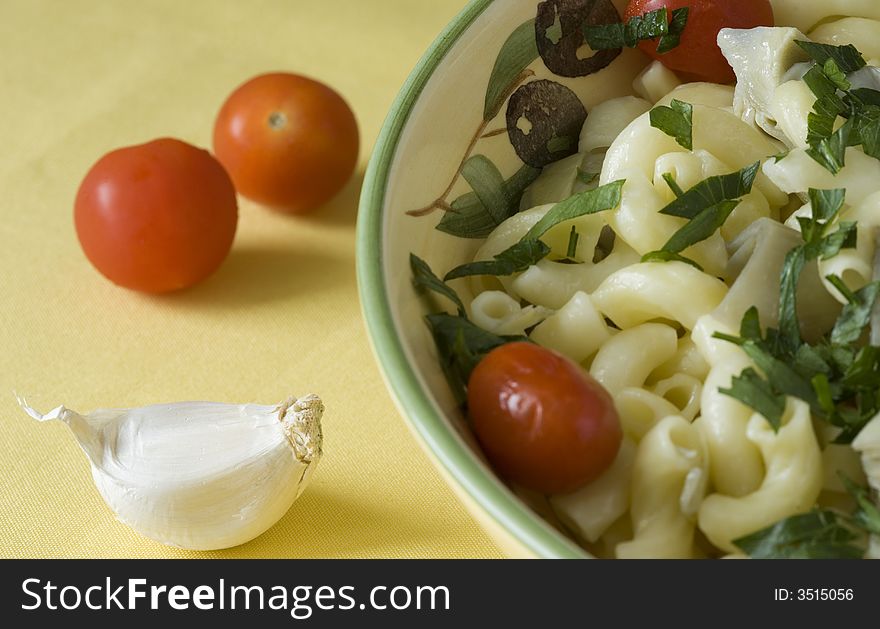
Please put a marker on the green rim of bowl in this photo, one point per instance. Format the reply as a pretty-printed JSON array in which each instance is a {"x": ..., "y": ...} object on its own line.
[{"x": 482, "y": 486}]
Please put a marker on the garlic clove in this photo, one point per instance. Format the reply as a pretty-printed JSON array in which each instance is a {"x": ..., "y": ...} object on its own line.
[{"x": 199, "y": 475}]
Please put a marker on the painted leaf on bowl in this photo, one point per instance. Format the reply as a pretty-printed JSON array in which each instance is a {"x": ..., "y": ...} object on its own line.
[
  {"x": 544, "y": 121},
  {"x": 469, "y": 218},
  {"x": 559, "y": 35},
  {"x": 516, "y": 54},
  {"x": 487, "y": 183}
]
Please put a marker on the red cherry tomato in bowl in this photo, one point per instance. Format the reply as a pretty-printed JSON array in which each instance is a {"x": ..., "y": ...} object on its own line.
[
  {"x": 156, "y": 217},
  {"x": 288, "y": 142},
  {"x": 697, "y": 56},
  {"x": 542, "y": 420}
]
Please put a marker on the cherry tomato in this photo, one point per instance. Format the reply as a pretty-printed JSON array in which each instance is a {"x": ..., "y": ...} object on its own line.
[
  {"x": 156, "y": 217},
  {"x": 697, "y": 56},
  {"x": 287, "y": 141},
  {"x": 542, "y": 420}
]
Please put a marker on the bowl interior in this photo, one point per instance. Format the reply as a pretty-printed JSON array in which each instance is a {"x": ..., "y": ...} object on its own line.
[{"x": 434, "y": 120}]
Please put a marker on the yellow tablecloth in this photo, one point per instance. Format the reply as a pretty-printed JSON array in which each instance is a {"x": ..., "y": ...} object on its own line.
[{"x": 81, "y": 77}]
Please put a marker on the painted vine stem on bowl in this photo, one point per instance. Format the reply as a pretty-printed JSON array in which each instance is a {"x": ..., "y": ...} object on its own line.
[
  {"x": 555, "y": 35},
  {"x": 440, "y": 203}
]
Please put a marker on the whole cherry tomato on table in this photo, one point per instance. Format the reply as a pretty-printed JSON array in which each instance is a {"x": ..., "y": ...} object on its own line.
[
  {"x": 542, "y": 420},
  {"x": 697, "y": 56},
  {"x": 156, "y": 217},
  {"x": 288, "y": 141}
]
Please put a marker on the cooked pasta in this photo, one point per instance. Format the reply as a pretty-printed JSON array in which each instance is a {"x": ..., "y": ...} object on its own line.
[
  {"x": 725, "y": 343},
  {"x": 669, "y": 479},
  {"x": 790, "y": 485}
]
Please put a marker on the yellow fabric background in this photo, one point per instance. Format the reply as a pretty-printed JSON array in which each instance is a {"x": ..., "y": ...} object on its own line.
[{"x": 81, "y": 77}]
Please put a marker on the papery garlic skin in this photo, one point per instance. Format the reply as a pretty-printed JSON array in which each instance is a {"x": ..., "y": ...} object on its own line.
[{"x": 199, "y": 475}]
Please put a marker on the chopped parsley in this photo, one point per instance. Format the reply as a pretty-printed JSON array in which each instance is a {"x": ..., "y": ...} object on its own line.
[
  {"x": 650, "y": 25},
  {"x": 847, "y": 57},
  {"x": 600, "y": 199},
  {"x": 673, "y": 184},
  {"x": 675, "y": 121},
  {"x": 706, "y": 206},
  {"x": 587, "y": 178},
  {"x": 828, "y": 79},
  {"x": 515, "y": 259},
  {"x": 529, "y": 249},
  {"x": 424, "y": 280},
  {"x": 573, "y": 237},
  {"x": 819, "y": 534},
  {"x": 837, "y": 376},
  {"x": 460, "y": 343}
]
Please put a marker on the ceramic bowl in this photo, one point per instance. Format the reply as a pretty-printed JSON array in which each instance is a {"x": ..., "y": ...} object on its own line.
[{"x": 437, "y": 121}]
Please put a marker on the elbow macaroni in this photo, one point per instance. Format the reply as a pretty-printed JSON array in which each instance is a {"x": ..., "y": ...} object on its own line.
[
  {"x": 694, "y": 458},
  {"x": 791, "y": 483},
  {"x": 629, "y": 357},
  {"x": 669, "y": 478},
  {"x": 577, "y": 330},
  {"x": 658, "y": 290}
]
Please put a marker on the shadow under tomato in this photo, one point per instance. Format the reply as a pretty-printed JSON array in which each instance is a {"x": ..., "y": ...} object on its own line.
[
  {"x": 254, "y": 274},
  {"x": 342, "y": 209},
  {"x": 257, "y": 275}
]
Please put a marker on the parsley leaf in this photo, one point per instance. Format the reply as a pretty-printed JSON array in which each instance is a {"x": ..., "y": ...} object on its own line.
[
  {"x": 586, "y": 178},
  {"x": 776, "y": 366},
  {"x": 789, "y": 325},
  {"x": 820, "y": 534},
  {"x": 649, "y": 25},
  {"x": 673, "y": 184},
  {"x": 424, "y": 279},
  {"x": 845, "y": 237},
  {"x": 863, "y": 369},
  {"x": 702, "y": 226},
  {"x": 826, "y": 205},
  {"x": 867, "y": 515},
  {"x": 831, "y": 70},
  {"x": 669, "y": 256},
  {"x": 820, "y": 124},
  {"x": 755, "y": 392},
  {"x": 864, "y": 96},
  {"x": 824, "y": 86},
  {"x": 784, "y": 377},
  {"x": 827, "y": 79},
  {"x": 856, "y": 314},
  {"x": 530, "y": 250},
  {"x": 675, "y": 121},
  {"x": 713, "y": 190},
  {"x": 461, "y": 345},
  {"x": 600, "y": 199},
  {"x": 868, "y": 127},
  {"x": 836, "y": 376},
  {"x": 516, "y": 258},
  {"x": 847, "y": 57},
  {"x": 830, "y": 152},
  {"x": 707, "y": 205},
  {"x": 573, "y": 237},
  {"x": 676, "y": 27},
  {"x": 780, "y": 156}
]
